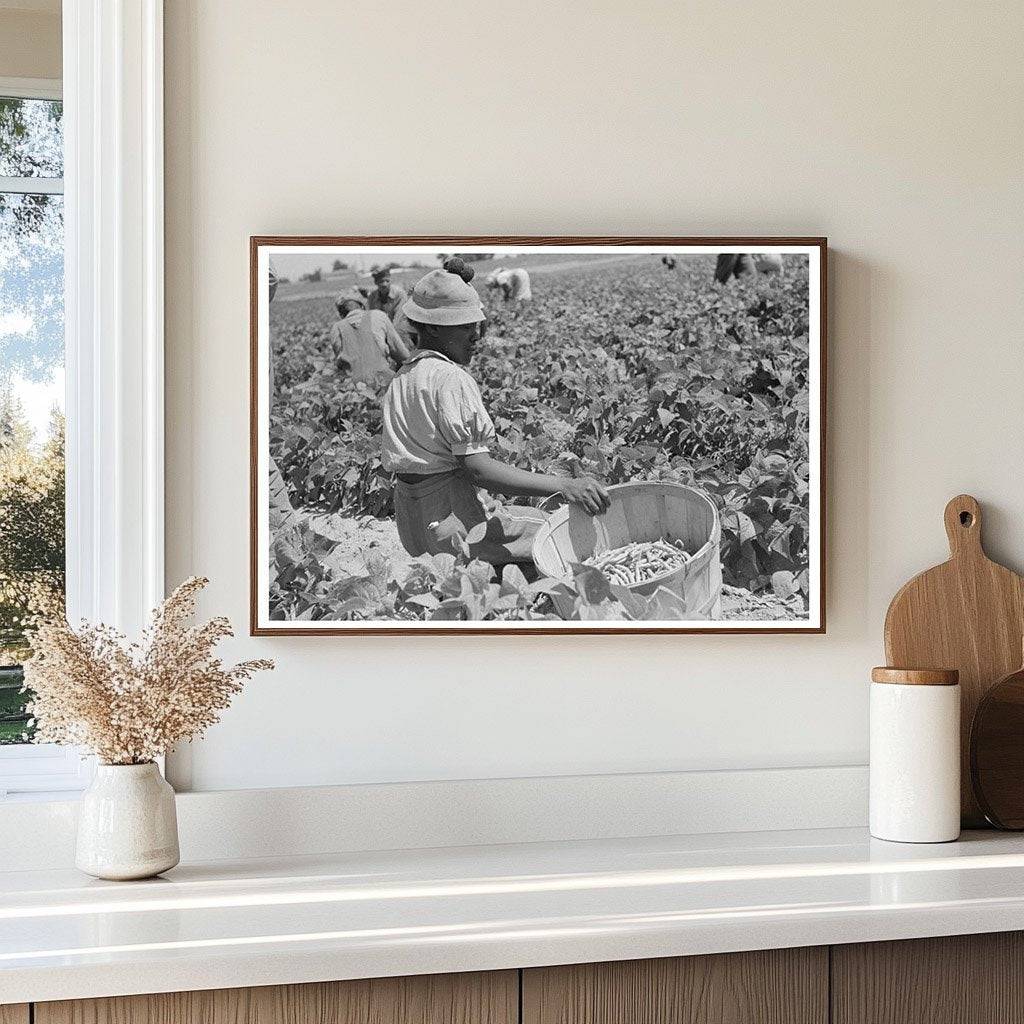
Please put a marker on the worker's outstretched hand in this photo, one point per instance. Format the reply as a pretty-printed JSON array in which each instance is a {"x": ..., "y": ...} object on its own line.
[{"x": 587, "y": 493}]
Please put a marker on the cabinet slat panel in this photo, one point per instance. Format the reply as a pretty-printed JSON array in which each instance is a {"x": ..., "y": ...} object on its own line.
[
  {"x": 14, "y": 1013},
  {"x": 479, "y": 998},
  {"x": 778, "y": 986},
  {"x": 961, "y": 979}
]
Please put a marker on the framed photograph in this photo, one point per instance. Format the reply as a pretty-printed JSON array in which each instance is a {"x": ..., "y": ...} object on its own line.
[{"x": 537, "y": 435}]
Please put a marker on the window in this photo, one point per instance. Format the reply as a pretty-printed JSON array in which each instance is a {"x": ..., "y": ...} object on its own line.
[
  {"x": 109, "y": 208},
  {"x": 32, "y": 514}
]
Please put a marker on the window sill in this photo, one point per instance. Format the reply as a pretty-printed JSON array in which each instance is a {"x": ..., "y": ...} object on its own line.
[{"x": 42, "y": 771}]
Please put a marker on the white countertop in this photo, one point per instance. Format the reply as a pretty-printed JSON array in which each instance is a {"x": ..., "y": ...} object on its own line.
[{"x": 261, "y": 922}]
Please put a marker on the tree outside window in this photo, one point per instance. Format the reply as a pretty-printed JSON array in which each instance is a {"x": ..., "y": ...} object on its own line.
[{"x": 31, "y": 387}]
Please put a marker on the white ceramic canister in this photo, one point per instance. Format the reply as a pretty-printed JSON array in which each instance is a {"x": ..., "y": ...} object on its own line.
[
  {"x": 127, "y": 825},
  {"x": 915, "y": 755}
]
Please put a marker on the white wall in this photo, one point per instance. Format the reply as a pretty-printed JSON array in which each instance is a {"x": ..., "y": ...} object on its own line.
[{"x": 895, "y": 129}]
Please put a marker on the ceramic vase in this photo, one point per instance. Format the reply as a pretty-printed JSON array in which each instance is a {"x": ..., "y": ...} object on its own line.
[{"x": 127, "y": 825}]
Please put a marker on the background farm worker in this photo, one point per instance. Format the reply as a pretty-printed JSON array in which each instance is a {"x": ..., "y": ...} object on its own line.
[
  {"x": 743, "y": 264},
  {"x": 437, "y": 439},
  {"x": 768, "y": 263},
  {"x": 366, "y": 344},
  {"x": 514, "y": 284},
  {"x": 386, "y": 297},
  {"x": 405, "y": 330}
]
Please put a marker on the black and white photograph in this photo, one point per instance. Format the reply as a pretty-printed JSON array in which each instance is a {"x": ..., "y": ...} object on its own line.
[{"x": 584, "y": 435}]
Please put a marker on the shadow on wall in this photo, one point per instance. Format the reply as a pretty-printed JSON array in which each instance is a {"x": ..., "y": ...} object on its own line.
[{"x": 853, "y": 286}]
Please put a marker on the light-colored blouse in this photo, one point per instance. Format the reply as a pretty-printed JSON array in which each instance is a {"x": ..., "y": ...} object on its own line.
[{"x": 433, "y": 412}]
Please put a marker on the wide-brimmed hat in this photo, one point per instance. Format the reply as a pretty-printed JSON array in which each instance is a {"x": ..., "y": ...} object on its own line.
[
  {"x": 350, "y": 295},
  {"x": 444, "y": 299},
  {"x": 380, "y": 274}
]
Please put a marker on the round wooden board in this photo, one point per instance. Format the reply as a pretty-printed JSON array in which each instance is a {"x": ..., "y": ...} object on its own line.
[{"x": 997, "y": 753}]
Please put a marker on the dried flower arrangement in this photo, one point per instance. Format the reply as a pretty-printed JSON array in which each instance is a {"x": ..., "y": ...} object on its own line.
[{"x": 130, "y": 703}]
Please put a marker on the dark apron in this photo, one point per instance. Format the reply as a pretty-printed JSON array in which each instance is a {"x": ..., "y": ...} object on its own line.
[{"x": 429, "y": 514}]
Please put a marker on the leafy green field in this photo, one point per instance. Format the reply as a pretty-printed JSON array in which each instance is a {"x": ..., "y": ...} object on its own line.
[{"x": 621, "y": 369}]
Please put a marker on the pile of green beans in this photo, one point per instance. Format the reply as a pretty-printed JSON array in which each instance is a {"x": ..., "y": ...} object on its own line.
[{"x": 640, "y": 561}]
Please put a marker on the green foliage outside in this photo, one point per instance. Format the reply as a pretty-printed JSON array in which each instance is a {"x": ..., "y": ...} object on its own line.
[{"x": 31, "y": 549}]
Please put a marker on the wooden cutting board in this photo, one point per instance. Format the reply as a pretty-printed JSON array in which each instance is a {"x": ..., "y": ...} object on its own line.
[{"x": 967, "y": 614}]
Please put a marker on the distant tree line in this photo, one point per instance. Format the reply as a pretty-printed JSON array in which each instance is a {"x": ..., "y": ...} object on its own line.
[
  {"x": 468, "y": 257},
  {"x": 338, "y": 266}
]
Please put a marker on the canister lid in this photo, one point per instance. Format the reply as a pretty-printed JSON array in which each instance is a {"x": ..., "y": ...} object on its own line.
[{"x": 916, "y": 676}]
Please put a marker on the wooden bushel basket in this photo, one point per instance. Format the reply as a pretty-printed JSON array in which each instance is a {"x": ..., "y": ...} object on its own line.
[{"x": 643, "y": 512}]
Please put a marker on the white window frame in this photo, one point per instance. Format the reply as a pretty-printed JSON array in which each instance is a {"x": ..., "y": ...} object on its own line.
[
  {"x": 32, "y": 88},
  {"x": 114, "y": 325}
]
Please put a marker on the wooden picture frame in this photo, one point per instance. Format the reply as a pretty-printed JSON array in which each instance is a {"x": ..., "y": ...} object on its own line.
[{"x": 815, "y": 248}]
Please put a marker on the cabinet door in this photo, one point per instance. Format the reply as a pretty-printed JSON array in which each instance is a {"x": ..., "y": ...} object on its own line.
[
  {"x": 962, "y": 979},
  {"x": 778, "y": 986},
  {"x": 14, "y": 1013},
  {"x": 482, "y": 998}
]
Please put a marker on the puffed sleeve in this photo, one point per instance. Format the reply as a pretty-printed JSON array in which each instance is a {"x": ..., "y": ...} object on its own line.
[{"x": 462, "y": 420}]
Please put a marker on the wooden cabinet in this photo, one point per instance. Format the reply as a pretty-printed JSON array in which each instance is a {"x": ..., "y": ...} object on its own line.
[
  {"x": 963, "y": 979},
  {"x": 970, "y": 979},
  {"x": 777, "y": 986},
  {"x": 491, "y": 998}
]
